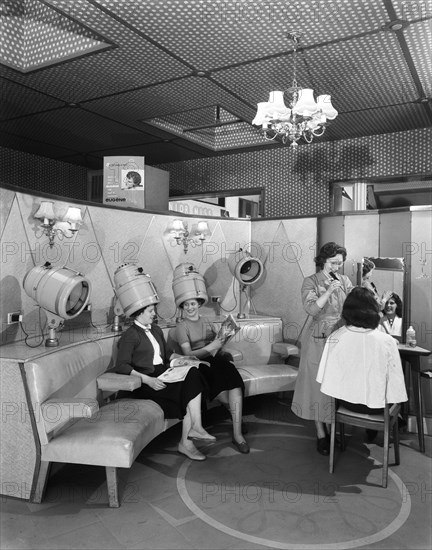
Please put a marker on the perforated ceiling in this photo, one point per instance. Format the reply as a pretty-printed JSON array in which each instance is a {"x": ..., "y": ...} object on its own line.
[{"x": 180, "y": 79}]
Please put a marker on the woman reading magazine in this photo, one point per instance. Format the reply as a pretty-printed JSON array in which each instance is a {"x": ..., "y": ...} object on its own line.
[
  {"x": 142, "y": 352},
  {"x": 197, "y": 337}
]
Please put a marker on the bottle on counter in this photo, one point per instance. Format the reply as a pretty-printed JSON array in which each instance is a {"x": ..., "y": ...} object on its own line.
[{"x": 411, "y": 337}]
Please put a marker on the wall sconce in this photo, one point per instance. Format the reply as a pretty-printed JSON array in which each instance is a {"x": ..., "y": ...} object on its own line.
[
  {"x": 195, "y": 237},
  {"x": 52, "y": 226}
]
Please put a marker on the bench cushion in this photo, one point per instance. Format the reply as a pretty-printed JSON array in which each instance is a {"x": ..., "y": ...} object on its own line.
[
  {"x": 113, "y": 437},
  {"x": 268, "y": 378}
]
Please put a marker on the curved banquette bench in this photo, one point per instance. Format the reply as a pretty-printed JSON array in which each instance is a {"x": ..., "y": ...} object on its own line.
[{"x": 77, "y": 419}]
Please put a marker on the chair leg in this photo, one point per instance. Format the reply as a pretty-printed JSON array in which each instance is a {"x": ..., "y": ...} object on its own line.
[
  {"x": 332, "y": 445},
  {"x": 112, "y": 482},
  {"x": 396, "y": 442},
  {"x": 386, "y": 456},
  {"x": 342, "y": 436},
  {"x": 41, "y": 482}
]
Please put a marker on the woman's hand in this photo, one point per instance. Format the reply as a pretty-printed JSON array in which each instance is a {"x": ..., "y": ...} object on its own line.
[
  {"x": 333, "y": 286},
  {"x": 154, "y": 383},
  {"x": 215, "y": 345},
  {"x": 386, "y": 296}
]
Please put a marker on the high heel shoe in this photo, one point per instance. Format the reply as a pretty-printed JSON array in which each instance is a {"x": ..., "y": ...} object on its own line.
[
  {"x": 201, "y": 437},
  {"x": 242, "y": 447},
  {"x": 323, "y": 446},
  {"x": 193, "y": 454}
]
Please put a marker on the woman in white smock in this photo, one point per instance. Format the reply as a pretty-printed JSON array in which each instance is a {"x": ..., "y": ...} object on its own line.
[{"x": 361, "y": 365}]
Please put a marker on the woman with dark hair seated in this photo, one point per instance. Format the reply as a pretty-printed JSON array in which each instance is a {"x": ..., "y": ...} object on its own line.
[
  {"x": 359, "y": 360},
  {"x": 391, "y": 322},
  {"x": 142, "y": 352}
]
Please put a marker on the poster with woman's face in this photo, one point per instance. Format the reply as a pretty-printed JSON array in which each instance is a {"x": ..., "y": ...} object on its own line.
[
  {"x": 132, "y": 179},
  {"x": 124, "y": 181}
]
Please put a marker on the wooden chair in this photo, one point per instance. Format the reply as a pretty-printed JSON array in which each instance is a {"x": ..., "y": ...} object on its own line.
[{"x": 382, "y": 423}]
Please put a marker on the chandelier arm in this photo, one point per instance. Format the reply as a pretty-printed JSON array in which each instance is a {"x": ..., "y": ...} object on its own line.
[
  {"x": 268, "y": 138},
  {"x": 315, "y": 131}
]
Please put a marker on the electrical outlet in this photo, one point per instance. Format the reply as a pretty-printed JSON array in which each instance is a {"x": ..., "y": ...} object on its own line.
[
  {"x": 215, "y": 299},
  {"x": 13, "y": 318}
]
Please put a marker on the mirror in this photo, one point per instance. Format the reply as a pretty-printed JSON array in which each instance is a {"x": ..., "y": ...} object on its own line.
[
  {"x": 240, "y": 203},
  {"x": 386, "y": 274}
]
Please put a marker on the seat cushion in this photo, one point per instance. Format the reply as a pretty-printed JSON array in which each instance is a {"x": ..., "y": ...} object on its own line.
[
  {"x": 113, "y": 437},
  {"x": 379, "y": 418},
  {"x": 268, "y": 378}
]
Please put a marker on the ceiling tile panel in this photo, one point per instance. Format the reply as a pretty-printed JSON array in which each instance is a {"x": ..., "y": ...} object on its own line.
[
  {"x": 169, "y": 98},
  {"x": 34, "y": 36},
  {"x": 379, "y": 76},
  {"x": 419, "y": 40},
  {"x": 213, "y": 34},
  {"x": 45, "y": 127},
  {"x": 378, "y": 121},
  {"x": 32, "y": 145},
  {"x": 18, "y": 101},
  {"x": 133, "y": 62}
]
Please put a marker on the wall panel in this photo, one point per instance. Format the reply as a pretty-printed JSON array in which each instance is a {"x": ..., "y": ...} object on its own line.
[
  {"x": 395, "y": 232},
  {"x": 361, "y": 239}
]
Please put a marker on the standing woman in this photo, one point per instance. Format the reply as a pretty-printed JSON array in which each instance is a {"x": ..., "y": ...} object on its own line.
[
  {"x": 142, "y": 352},
  {"x": 195, "y": 336},
  {"x": 323, "y": 295}
]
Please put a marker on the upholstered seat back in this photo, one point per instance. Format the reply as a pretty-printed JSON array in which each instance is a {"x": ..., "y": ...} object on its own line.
[{"x": 62, "y": 384}]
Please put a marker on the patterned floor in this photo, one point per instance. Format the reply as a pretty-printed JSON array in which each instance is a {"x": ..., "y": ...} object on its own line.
[{"x": 279, "y": 496}]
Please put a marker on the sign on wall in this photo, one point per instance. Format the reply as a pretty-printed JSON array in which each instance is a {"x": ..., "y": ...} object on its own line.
[{"x": 124, "y": 181}]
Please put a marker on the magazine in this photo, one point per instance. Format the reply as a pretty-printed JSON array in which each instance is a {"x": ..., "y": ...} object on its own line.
[
  {"x": 180, "y": 366},
  {"x": 229, "y": 328}
]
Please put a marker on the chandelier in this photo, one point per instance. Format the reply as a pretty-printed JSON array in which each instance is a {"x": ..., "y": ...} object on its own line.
[{"x": 294, "y": 114}]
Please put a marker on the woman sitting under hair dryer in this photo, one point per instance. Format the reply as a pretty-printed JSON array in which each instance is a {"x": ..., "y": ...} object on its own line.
[
  {"x": 195, "y": 336},
  {"x": 142, "y": 352}
]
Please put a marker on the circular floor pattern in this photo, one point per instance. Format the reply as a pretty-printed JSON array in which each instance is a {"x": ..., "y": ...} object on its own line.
[{"x": 281, "y": 495}]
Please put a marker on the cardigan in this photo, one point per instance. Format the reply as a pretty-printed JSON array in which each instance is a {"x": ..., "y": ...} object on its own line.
[{"x": 135, "y": 351}]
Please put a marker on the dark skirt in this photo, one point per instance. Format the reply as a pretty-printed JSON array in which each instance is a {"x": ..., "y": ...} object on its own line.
[
  {"x": 360, "y": 408},
  {"x": 221, "y": 376},
  {"x": 173, "y": 399}
]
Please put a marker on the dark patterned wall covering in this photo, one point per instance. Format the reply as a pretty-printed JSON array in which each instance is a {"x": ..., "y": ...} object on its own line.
[
  {"x": 296, "y": 184},
  {"x": 42, "y": 174}
]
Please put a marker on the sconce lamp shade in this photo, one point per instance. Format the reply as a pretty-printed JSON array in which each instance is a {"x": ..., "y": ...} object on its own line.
[
  {"x": 203, "y": 228},
  {"x": 59, "y": 290},
  {"x": 73, "y": 216},
  {"x": 134, "y": 289},
  {"x": 245, "y": 268},
  {"x": 188, "y": 284},
  {"x": 45, "y": 211},
  {"x": 178, "y": 225}
]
